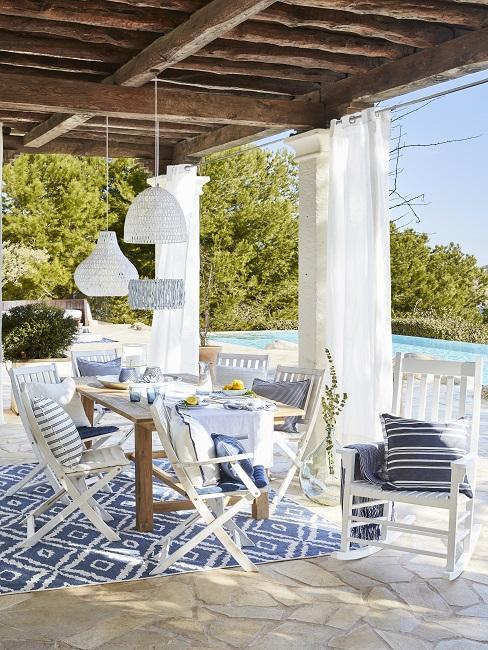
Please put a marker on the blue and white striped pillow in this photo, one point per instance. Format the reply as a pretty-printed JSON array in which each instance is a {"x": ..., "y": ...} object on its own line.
[
  {"x": 418, "y": 454},
  {"x": 58, "y": 430}
]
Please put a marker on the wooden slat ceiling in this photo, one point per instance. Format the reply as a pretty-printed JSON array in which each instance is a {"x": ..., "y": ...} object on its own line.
[{"x": 228, "y": 68}]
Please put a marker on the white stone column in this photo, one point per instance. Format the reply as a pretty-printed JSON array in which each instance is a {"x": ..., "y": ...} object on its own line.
[{"x": 312, "y": 155}]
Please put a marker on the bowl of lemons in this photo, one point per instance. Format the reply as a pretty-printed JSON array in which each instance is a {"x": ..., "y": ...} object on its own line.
[{"x": 234, "y": 389}]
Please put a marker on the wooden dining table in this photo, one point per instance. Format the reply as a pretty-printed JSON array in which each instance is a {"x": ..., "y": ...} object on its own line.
[{"x": 92, "y": 392}]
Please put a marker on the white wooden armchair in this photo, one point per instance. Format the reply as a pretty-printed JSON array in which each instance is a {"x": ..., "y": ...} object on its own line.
[{"x": 431, "y": 389}]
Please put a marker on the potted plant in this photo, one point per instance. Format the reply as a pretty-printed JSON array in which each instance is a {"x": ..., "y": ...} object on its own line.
[
  {"x": 320, "y": 476},
  {"x": 36, "y": 334}
]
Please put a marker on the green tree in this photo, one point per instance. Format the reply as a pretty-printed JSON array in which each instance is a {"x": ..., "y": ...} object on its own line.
[
  {"x": 57, "y": 204},
  {"x": 249, "y": 241},
  {"x": 439, "y": 279}
]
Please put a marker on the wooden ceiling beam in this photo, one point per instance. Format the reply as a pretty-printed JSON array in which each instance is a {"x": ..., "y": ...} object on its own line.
[
  {"x": 269, "y": 71},
  {"x": 201, "y": 28},
  {"x": 435, "y": 11},
  {"x": 294, "y": 56},
  {"x": 79, "y": 147},
  {"x": 19, "y": 92},
  {"x": 316, "y": 40},
  {"x": 54, "y": 63},
  {"x": 63, "y": 48},
  {"x": 148, "y": 126},
  {"x": 462, "y": 55},
  {"x": 225, "y": 137},
  {"x": 413, "y": 33}
]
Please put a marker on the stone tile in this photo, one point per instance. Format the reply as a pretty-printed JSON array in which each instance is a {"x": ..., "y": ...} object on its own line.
[
  {"x": 11, "y": 600},
  {"x": 382, "y": 598},
  {"x": 190, "y": 629},
  {"x": 433, "y": 632},
  {"x": 248, "y": 612},
  {"x": 237, "y": 636},
  {"x": 456, "y": 592},
  {"x": 403, "y": 641},
  {"x": 308, "y": 573},
  {"x": 465, "y": 626},
  {"x": 255, "y": 598},
  {"x": 106, "y": 630},
  {"x": 481, "y": 590},
  {"x": 293, "y": 635},
  {"x": 422, "y": 598},
  {"x": 358, "y": 581},
  {"x": 338, "y": 596},
  {"x": 318, "y": 614},
  {"x": 460, "y": 644},
  {"x": 361, "y": 637},
  {"x": 347, "y": 616},
  {"x": 397, "y": 620},
  {"x": 476, "y": 610},
  {"x": 377, "y": 569}
]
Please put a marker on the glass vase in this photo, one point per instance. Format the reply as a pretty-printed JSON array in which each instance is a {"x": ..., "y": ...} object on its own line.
[{"x": 320, "y": 475}]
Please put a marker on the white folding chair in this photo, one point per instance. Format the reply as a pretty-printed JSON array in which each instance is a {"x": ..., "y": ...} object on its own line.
[
  {"x": 436, "y": 389},
  {"x": 104, "y": 463},
  {"x": 93, "y": 355},
  {"x": 245, "y": 367},
  {"x": 210, "y": 507},
  {"x": 305, "y": 429}
]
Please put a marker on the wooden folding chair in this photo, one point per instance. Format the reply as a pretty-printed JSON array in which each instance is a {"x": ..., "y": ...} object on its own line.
[
  {"x": 103, "y": 464},
  {"x": 211, "y": 504},
  {"x": 305, "y": 429}
]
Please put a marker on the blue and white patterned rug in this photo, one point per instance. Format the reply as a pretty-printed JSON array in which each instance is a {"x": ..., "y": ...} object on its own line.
[{"x": 76, "y": 554}]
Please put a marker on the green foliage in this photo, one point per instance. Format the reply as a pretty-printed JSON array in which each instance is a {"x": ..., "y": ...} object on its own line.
[
  {"x": 20, "y": 262},
  {"x": 117, "y": 310},
  {"x": 57, "y": 204},
  {"x": 37, "y": 332},
  {"x": 446, "y": 326},
  {"x": 249, "y": 241},
  {"x": 333, "y": 404},
  {"x": 435, "y": 278}
]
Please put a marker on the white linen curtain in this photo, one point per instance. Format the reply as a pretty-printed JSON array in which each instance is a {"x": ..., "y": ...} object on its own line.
[
  {"x": 358, "y": 321},
  {"x": 2, "y": 417},
  {"x": 175, "y": 333}
]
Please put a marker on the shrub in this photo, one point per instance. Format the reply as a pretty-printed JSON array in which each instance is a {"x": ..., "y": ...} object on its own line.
[
  {"x": 440, "y": 326},
  {"x": 37, "y": 332},
  {"x": 117, "y": 310}
]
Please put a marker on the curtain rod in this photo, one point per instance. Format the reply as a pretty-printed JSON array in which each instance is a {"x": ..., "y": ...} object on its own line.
[{"x": 395, "y": 107}]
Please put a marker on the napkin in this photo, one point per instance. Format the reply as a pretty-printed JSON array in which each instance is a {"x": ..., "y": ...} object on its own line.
[{"x": 250, "y": 404}]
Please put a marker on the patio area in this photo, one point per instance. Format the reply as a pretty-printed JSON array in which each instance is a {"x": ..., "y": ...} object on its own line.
[{"x": 195, "y": 78}]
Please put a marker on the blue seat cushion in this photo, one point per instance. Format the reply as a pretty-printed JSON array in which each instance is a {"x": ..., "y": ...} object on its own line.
[
  {"x": 94, "y": 432},
  {"x": 229, "y": 446}
]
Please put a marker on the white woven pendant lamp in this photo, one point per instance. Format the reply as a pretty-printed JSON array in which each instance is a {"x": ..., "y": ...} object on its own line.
[
  {"x": 155, "y": 216},
  {"x": 157, "y": 294},
  {"x": 106, "y": 272}
]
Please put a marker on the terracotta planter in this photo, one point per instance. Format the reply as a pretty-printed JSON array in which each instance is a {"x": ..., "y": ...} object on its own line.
[{"x": 209, "y": 353}]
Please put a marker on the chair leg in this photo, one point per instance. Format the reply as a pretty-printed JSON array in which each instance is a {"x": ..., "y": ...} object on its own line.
[
  {"x": 27, "y": 479},
  {"x": 452, "y": 542},
  {"x": 240, "y": 537}
]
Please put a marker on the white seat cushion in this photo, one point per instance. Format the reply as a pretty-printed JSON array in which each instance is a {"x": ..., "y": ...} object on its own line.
[
  {"x": 63, "y": 394},
  {"x": 102, "y": 458}
]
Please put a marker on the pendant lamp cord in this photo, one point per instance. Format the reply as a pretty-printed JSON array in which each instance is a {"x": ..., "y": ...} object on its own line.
[
  {"x": 156, "y": 132},
  {"x": 106, "y": 169}
]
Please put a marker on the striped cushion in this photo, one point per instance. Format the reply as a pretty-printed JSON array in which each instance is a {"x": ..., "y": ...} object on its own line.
[
  {"x": 58, "y": 430},
  {"x": 291, "y": 393},
  {"x": 419, "y": 454}
]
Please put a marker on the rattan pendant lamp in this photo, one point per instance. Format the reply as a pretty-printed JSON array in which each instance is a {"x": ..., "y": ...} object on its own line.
[
  {"x": 156, "y": 217},
  {"x": 106, "y": 272}
]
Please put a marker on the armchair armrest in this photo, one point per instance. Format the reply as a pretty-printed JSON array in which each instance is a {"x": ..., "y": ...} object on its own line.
[
  {"x": 215, "y": 461},
  {"x": 465, "y": 462},
  {"x": 462, "y": 467}
]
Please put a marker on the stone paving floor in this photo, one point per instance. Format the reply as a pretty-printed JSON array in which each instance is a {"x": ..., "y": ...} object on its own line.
[{"x": 387, "y": 601}]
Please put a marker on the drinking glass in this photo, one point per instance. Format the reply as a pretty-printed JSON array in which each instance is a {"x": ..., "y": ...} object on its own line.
[{"x": 135, "y": 393}]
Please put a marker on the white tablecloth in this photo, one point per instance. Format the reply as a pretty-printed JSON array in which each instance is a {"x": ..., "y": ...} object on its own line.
[{"x": 256, "y": 427}]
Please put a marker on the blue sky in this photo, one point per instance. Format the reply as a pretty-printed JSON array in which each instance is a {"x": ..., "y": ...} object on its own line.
[{"x": 453, "y": 177}]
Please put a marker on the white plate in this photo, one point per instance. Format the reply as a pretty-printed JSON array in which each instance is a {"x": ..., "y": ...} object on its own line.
[
  {"x": 234, "y": 393},
  {"x": 109, "y": 381},
  {"x": 184, "y": 405}
]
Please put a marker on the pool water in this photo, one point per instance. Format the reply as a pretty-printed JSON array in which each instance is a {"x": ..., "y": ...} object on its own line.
[{"x": 451, "y": 350}]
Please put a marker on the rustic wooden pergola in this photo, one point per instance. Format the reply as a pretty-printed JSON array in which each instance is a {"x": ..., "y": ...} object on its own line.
[{"x": 231, "y": 71}]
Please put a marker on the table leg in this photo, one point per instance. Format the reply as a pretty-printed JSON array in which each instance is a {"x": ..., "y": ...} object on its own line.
[
  {"x": 144, "y": 483},
  {"x": 89, "y": 406},
  {"x": 260, "y": 506}
]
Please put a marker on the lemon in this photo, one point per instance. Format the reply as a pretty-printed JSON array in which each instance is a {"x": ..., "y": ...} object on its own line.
[
  {"x": 237, "y": 384},
  {"x": 192, "y": 400}
]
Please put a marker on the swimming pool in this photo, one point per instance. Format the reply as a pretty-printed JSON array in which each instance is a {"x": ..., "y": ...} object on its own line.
[{"x": 453, "y": 350}]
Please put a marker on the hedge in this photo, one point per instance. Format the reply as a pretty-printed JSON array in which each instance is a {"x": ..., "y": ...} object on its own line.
[{"x": 440, "y": 326}]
